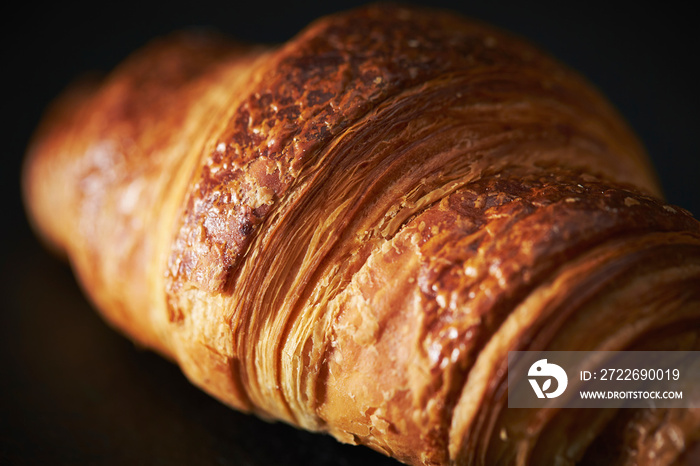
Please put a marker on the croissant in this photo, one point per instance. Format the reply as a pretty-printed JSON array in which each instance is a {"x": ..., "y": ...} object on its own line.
[{"x": 350, "y": 231}]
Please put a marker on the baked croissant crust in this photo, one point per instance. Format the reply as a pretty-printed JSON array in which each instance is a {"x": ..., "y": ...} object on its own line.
[{"x": 350, "y": 231}]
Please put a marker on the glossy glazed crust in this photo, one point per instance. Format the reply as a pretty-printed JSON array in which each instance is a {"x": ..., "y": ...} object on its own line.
[{"x": 349, "y": 232}]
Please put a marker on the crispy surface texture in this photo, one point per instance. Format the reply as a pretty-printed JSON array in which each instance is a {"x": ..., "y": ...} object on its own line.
[{"x": 350, "y": 231}]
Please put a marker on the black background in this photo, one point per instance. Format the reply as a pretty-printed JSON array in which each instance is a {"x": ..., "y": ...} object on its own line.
[{"x": 74, "y": 391}]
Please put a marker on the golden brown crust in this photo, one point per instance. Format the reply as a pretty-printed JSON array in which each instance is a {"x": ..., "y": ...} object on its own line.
[
  {"x": 350, "y": 231},
  {"x": 322, "y": 83}
]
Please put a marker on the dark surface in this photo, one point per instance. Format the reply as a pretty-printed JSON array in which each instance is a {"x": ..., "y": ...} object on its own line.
[{"x": 72, "y": 391}]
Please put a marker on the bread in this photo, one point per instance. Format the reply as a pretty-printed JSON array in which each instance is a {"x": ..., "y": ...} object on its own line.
[{"x": 350, "y": 231}]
